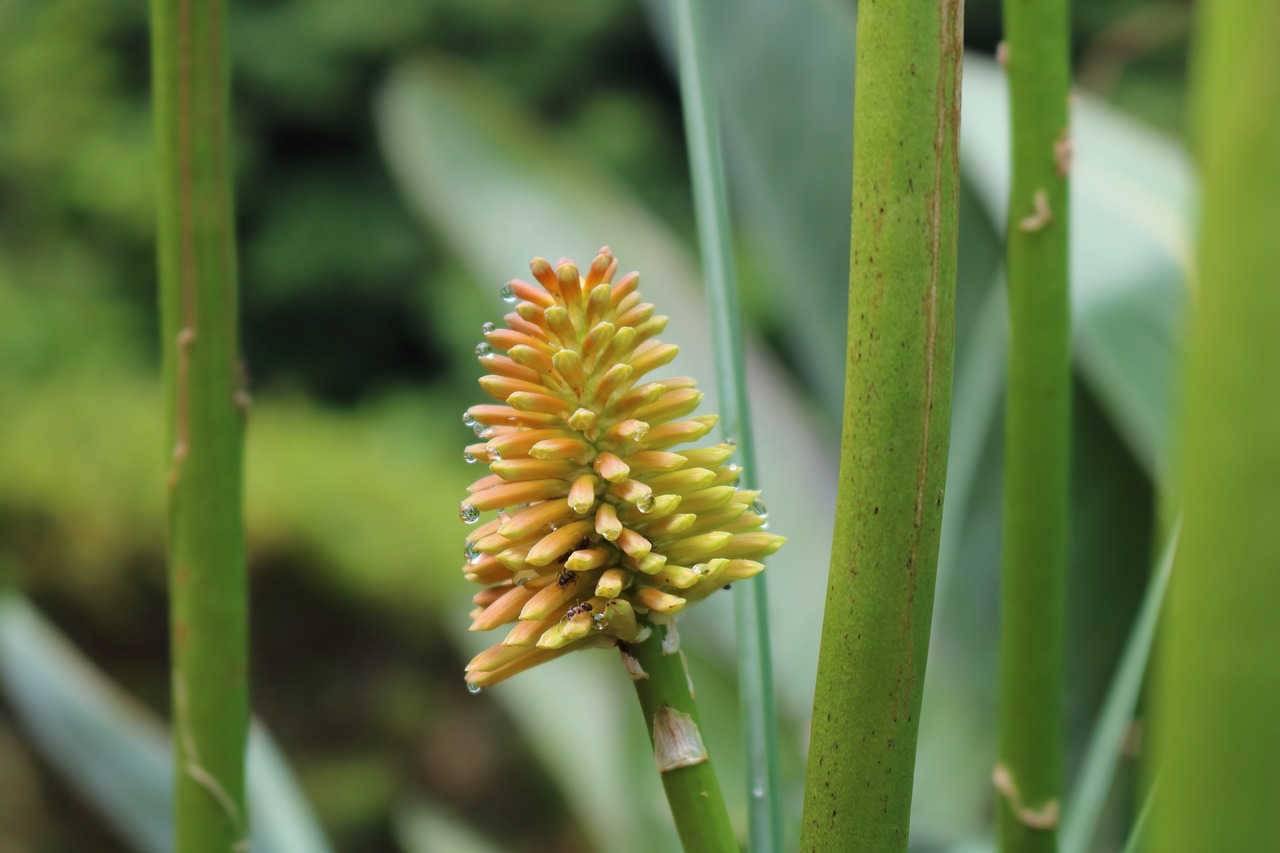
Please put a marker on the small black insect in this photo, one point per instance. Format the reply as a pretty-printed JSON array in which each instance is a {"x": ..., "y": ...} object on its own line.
[
  {"x": 586, "y": 607},
  {"x": 566, "y": 578}
]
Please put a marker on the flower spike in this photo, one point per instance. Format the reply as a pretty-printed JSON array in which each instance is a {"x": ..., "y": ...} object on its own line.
[{"x": 603, "y": 528}]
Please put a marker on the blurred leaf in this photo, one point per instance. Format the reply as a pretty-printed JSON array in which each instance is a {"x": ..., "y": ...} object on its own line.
[
  {"x": 784, "y": 80},
  {"x": 422, "y": 828},
  {"x": 503, "y": 191},
  {"x": 116, "y": 754},
  {"x": 1132, "y": 199},
  {"x": 1112, "y": 729}
]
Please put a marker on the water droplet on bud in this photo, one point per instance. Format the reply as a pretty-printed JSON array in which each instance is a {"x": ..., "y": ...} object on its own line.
[
  {"x": 645, "y": 503},
  {"x": 483, "y": 348},
  {"x": 468, "y": 513},
  {"x": 472, "y": 555},
  {"x": 507, "y": 294},
  {"x": 492, "y": 453},
  {"x": 473, "y": 688},
  {"x": 468, "y": 419},
  {"x": 762, "y": 511},
  {"x": 468, "y": 458},
  {"x": 488, "y": 327}
]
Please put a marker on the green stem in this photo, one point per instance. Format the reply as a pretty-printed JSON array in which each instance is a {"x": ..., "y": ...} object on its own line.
[
  {"x": 1037, "y": 430},
  {"x": 205, "y": 410},
  {"x": 692, "y": 790},
  {"x": 1218, "y": 692},
  {"x": 893, "y": 461},
  {"x": 750, "y": 600}
]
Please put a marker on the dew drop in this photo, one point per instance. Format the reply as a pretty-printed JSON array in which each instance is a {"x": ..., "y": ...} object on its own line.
[
  {"x": 639, "y": 433},
  {"x": 597, "y": 621},
  {"x": 736, "y": 471},
  {"x": 502, "y": 515},
  {"x": 483, "y": 348},
  {"x": 473, "y": 688},
  {"x": 488, "y": 327},
  {"x": 507, "y": 294},
  {"x": 645, "y": 503},
  {"x": 468, "y": 458},
  {"x": 732, "y": 442},
  {"x": 759, "y": 508},
  {"x": 468, "y": 419},
  {"x": 481, "y": 430},
  {"x": 493, "y": 453},
  {"x": 700, "y": 569},
  {"x": 472, "y": 555},
  {"x": 468, "y": 513}
]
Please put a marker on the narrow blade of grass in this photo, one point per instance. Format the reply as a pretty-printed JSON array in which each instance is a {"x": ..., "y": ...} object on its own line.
[
  {"x": 750, "y": 602},
  {"x": 1106, "y": 744}
]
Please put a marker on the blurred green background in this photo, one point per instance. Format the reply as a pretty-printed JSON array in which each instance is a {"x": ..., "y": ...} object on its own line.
[{"x": 397, "y": 162}]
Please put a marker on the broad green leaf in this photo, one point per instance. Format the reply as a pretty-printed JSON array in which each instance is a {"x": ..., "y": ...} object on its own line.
[{"x": 116, "y": 754}]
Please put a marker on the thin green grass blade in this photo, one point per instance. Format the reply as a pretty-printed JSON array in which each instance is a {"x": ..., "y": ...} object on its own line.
[
  {"x": 1103, "y": 755},
  {"x": 1138, "y": 835},
  {"x": 755, "y": 664}
]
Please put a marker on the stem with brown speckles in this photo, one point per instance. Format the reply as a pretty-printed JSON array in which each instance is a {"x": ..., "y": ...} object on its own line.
[
  {"x": 205, "y": 412},
  {"x": 893, "y": 460}
]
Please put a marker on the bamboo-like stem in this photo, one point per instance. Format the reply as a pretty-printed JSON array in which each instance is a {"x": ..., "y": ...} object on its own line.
[
  {"x": 1037, "y": 429},
  {"x": 205, "y": 410},
  {"x": 750, "y": 601},
  {"x": 1218, "y": 693},
  {"x": 893, "y": 460},
  {"x": 666, "y": 698}
]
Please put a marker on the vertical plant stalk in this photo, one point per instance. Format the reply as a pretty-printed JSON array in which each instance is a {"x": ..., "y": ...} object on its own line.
[
  {"x": 750, "y": 600},
  {"x": 661, "y": 676},
  {"x": 205, "y": 409},
  {"x": 1218, "y": 693},
  {"x": 1028, "y": 775},
  {"x": 893, "y": 460}
]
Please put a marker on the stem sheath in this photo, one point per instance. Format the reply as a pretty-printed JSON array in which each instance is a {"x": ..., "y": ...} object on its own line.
[{"x": 666, "y": 698}]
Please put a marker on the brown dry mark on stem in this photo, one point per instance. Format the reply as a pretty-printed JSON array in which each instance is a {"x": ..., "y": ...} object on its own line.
[
  {"x": 186, "y": 216},
  {"x": 1041, "y": 218},
  {"x": 192, "y": 766},
  {"x": 946, "y": 105},
  {"x": 1064, "y": 150},
  {"x": 1043, "y": 818}
]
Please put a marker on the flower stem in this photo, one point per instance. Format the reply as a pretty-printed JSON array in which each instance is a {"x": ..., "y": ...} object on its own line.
[
  {"x": 1037, "y": 430},
  {"x": 1218, "y": 690},
  {"x": 205, "y": 410},
  {"x": 666, "y": 698},
  {"x": 750, "y": 601},
  {"x": 893, "y": 461}
]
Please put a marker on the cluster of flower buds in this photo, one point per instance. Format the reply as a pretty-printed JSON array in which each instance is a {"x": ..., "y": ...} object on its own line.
[{"x": 602, "y": 527}]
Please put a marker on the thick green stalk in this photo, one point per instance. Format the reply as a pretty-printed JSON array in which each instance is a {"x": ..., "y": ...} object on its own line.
[
  {"x": 893, "y": 460},
  {"x": 1037, "y": 429},
  {"x": 666, "y": 698},
  {"x": 1218, "y": 694},
  {"x": 750, "y": 601},
  {"x": 205, "y": 409}
]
